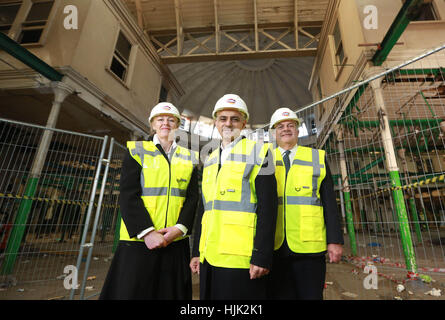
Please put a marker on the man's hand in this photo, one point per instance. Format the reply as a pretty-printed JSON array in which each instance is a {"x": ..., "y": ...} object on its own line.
[
  {"x": 335, "y": 251},
  {"x": 170, "y": 234},
  {"x": 194, "y": 265},
  {"x": 257, "y": 272},
  {"x": 154, "y": 240}
]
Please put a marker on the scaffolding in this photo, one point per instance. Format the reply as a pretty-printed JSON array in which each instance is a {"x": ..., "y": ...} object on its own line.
[{"x": 384, "y": 137}]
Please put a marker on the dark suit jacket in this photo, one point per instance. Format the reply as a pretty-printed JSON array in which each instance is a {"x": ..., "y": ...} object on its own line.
[
  {"x": 332, "y": 217},
  {"x": 133, "y": 211}
]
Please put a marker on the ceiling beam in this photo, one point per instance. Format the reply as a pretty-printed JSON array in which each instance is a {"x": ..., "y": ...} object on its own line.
[
  {"x": 139, "y": 13},
  {"x": 239, "y": 27},
  {"x": 296, "y": 23},
  {"x": 179, "y": 27},
  {"x": 217, "y": 34},
  {"x": 237, "y": 42},
  {"x": 310, "y": 52},
  {"x": 277, "y": 39},
  {"x": 255, "y": 15}
]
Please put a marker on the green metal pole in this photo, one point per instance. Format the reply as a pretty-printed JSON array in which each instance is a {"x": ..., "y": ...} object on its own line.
[
  {"x": 415, "y": 217},
  {"x": 362, "y": 211},
  {"x": 408, "y": 12},
  {"x": 25, "y": 56},
  {"x": 429, "y": 106},
  {"x": 350, "y": 223},
  {"x": 423, "y": 215},
  {"x": 347, "y": 197},
  {"x": 396, "y": 122},
  {"x": 411, "y": 201},
  {"x": 367, "y": 167},
  {"x": 15, "y": 238},
  {"x": 405, "y": 232}
]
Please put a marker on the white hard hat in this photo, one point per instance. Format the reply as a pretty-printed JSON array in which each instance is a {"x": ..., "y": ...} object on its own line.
[
  {"x": 283, "y": 114},
  {"x": 230, "y": 101},
  {"x": 164, "y": 108}
]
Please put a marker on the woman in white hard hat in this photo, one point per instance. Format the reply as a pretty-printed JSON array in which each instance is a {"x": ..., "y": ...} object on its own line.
[{"x": 158, "y": 198}]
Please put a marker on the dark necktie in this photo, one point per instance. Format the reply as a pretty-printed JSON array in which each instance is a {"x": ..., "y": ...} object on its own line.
[{"x": 286, "y": 160}]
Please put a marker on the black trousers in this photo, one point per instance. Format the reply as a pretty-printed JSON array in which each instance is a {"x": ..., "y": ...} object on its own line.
[
  {"x": 297, "y": 278},
  {"x": 217, "y": 283}
]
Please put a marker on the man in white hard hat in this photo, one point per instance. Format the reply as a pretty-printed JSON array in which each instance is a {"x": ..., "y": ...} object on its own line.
[
  {"x": 308, "y": 222},
  {"x": 233, "y": 245}
]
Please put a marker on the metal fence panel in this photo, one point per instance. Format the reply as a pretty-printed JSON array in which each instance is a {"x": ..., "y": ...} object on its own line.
[
  {"x": 42, "y": 215},
  {"x": 384, "y": 138}
]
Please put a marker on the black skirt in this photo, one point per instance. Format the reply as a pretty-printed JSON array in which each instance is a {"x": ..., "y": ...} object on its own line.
[{"x": 137, "y": 273}]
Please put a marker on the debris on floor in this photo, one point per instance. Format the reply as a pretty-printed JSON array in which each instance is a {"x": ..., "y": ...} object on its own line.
[
  {"x": 374, "y": 244},
  {"x": 434, "y": 292},
  {"x": 349, "y": 294},
  {"x": 425, "y": 278}
]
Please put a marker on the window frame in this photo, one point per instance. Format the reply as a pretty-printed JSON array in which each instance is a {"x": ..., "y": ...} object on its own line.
[
  {"x": 335, "y": 50},
  {"x": 126, "y": 82},
  {"x": 20, "y": 20},
  {"x": 12, "y": 3},
  {"x": 434, "y": 9},
  {"x": 319, "y": 91}
]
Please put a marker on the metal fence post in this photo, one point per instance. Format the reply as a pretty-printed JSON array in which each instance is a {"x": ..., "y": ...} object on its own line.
[
  {"x": 88, "y": 217},
  {"x": 96, "y": 219}
]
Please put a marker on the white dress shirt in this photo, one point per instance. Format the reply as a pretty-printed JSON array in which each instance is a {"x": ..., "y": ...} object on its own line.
[
  {"x": 292, "y": 153},
  {"x": 169, "y": 154},
  {"x": 225, "y": 151}
]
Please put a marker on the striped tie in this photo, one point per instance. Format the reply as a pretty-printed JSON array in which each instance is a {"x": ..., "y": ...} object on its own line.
[{"x": 286, "y": 160}]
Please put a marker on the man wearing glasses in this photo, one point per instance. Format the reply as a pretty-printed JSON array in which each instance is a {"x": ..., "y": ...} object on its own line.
[{"x": 308, "y": 224}]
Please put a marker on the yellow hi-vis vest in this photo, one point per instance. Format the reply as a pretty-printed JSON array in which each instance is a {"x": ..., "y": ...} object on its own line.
[
  {"x": 164, "y": 187},
  {"x": 300, "y": 213},
  {"x": 230, "y": 203}
]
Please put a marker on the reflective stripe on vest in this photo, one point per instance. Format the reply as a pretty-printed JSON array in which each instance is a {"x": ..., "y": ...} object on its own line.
[
  {"x": 229, "y": 221},
  {"x": 300, "y": 212},
  {"x": 163, "y": 187}
]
